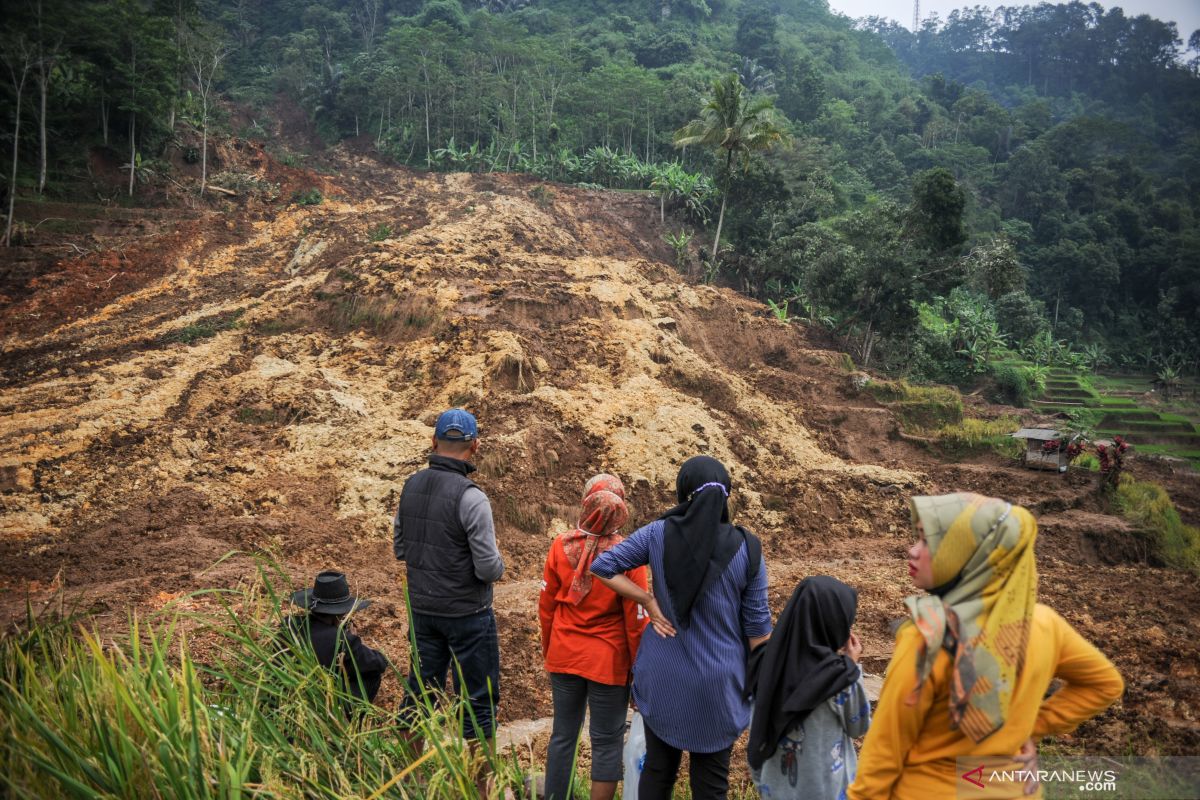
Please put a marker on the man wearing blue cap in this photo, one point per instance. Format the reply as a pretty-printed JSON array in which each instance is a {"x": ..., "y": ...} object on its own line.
[{"x": 444, "y": 532}]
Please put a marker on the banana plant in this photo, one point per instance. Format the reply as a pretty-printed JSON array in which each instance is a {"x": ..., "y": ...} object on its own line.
[
  {"x": 975, "y": 354},
  {"x": 1037, "y": 375},
  {"x": 679, "y": 243},
  {"x": 1096, "y": 356},
  {"x": 780, "y": 311},
  {"x": 1170, "y": 380}
]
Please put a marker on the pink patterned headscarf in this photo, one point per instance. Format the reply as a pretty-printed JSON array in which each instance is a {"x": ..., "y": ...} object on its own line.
[
  {"x": 604, "y": 483},
  {"x": 604, "y": 512}
]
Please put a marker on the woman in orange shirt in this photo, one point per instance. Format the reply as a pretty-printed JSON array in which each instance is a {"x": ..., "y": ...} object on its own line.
[
  {"x": 590, "y": 637},
  {"x": 973, "y": 661}
]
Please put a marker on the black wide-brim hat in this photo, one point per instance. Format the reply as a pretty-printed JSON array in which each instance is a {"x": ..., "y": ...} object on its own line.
[{"x": 330, "y": 594}]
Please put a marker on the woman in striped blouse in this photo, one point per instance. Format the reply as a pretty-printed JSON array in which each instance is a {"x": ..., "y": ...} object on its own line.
[{"x": 710, "y": 601}]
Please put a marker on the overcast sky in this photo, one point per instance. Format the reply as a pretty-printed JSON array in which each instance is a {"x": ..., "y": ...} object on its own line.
[{"x": 1184, "y": 13}]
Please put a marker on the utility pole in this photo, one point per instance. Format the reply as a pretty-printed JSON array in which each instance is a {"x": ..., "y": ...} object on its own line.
[{"x": 916, "y": 15}]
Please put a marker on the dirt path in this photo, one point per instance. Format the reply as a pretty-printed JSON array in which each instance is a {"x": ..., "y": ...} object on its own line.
[{"x": 269, "y": 380}]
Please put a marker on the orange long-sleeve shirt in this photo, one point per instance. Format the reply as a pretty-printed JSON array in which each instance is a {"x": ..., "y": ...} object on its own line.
[
  {"x": 910, "y": 751},
  {"x": 597, "y": 639}
]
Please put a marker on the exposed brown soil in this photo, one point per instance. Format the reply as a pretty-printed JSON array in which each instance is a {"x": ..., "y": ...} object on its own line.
[{"x": 262, "y": 378}]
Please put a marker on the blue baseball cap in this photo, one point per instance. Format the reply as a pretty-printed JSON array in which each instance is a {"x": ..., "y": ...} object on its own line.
[{"x": 456, "y": 425}]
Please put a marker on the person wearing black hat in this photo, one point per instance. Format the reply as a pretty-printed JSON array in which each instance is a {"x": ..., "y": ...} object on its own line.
[
  {"x": 444, "y": 532},
  {"x": 327, "y": 631}
]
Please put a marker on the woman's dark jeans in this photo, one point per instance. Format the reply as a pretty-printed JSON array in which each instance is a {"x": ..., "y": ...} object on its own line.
[
  {"x": 572, "y": 694},
  {"x": 708, "y": 774}
]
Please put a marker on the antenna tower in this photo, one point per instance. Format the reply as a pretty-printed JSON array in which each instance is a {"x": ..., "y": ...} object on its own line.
[{"x": 916, "y": 15}]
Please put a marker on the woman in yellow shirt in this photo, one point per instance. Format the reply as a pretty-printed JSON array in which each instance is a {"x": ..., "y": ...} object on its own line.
[{"x": 973, "y": 661}]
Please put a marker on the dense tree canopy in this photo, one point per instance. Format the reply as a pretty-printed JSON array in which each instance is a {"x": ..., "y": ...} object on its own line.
[{"x": 1044, "y": 160}]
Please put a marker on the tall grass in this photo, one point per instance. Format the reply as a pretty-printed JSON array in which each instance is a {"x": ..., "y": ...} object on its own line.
[
  {"x": 919, "y": 407},
  {"x": 1149, "y": 507},
  {"x": 971, "y": 435},
  {"x": 84, "y": 715}
]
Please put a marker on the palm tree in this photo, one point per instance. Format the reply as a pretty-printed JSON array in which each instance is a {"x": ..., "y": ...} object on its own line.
[{"x": 737, "y": 124}]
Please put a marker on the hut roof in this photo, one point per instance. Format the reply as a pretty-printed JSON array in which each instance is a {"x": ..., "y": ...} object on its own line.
[{"x": 1040, "y": 434}]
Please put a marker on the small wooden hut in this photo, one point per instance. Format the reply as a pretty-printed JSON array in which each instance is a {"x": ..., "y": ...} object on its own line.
[{"x": 1045, "y": 448}]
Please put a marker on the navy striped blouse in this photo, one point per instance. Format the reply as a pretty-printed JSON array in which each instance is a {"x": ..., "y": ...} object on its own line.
[{"x": 689, "y": 687}]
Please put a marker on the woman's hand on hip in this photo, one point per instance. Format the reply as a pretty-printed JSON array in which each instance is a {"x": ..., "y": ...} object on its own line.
[
  {"x": 659, "y": 620},
  {"x": 1027, "y": 757}
]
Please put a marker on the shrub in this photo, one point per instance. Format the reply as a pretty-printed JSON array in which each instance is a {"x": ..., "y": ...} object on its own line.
[
  {"x": 203, "y": 329},
  {"x": 679, "y": 243},
  {"x": 1011, "y": 386},
  {"x": 308, "y": 197},
  {"x": 1148, "y": 506},
  {"x": 542, "y": 195},
  {"x": 380, "y": 232}
]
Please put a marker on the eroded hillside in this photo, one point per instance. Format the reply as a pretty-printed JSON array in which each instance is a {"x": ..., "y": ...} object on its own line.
[{"x": 266, "y": 377}]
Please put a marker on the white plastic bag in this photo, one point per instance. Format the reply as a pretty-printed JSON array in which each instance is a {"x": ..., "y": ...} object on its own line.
[{"x": 635, "y": 757}]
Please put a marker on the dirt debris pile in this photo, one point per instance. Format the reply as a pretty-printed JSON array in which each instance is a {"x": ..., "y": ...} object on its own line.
[{"x": 270, "y": 384}]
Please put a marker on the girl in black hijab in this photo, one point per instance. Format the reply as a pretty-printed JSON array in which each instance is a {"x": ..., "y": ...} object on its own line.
[{"x": 809, "y": 699}]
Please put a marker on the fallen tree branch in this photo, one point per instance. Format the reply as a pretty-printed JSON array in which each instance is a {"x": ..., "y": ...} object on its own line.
[{"x": 222, "y": 190}]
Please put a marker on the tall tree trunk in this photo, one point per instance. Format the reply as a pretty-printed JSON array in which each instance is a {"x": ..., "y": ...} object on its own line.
[
  {"x": 43, "y": 84},
  {"x": 647, "y": 134},
  {"x": 428, "y": 151},
  {"x": 720, "y": 222},
  {"x": 12, "y": 185},
  {"x": 132, "y": 149},
  {"x": 724, "y": 197},
  {"x": 204, "y": 149},
  {"x": 45, "y": 66},
  {"x": 132, "y": 119},
  {"x": 104, "y": 117},
  {"x": 19, "y": 85}
]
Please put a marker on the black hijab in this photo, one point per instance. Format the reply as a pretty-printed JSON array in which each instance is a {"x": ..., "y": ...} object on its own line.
[
  {"x": 800, "y": 667},
  {"x": 698, "y": 541}
]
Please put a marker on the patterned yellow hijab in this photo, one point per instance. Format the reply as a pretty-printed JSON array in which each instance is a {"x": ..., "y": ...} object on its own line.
[{"x": 986, "y": 587}]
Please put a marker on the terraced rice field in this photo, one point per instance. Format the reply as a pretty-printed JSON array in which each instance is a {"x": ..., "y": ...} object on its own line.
[{"x": 1124, "y": 405}]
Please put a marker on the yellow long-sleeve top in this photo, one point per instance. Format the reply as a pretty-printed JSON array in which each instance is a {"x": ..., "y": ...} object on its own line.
[{"x": 910, "y": 750}]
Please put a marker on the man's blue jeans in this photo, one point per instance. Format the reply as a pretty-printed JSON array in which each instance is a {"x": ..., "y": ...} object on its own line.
[{"x": 467, "y": 644}]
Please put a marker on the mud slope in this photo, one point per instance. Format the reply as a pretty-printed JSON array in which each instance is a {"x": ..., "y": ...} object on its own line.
[{"x": 272, "y": 378}]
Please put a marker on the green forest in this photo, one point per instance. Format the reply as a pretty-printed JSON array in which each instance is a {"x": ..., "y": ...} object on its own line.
[{"x": 1021, "y": 180}]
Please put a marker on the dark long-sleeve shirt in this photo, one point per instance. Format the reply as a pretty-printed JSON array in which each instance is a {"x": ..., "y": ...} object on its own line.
[{"x": 340, "y": 649}]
